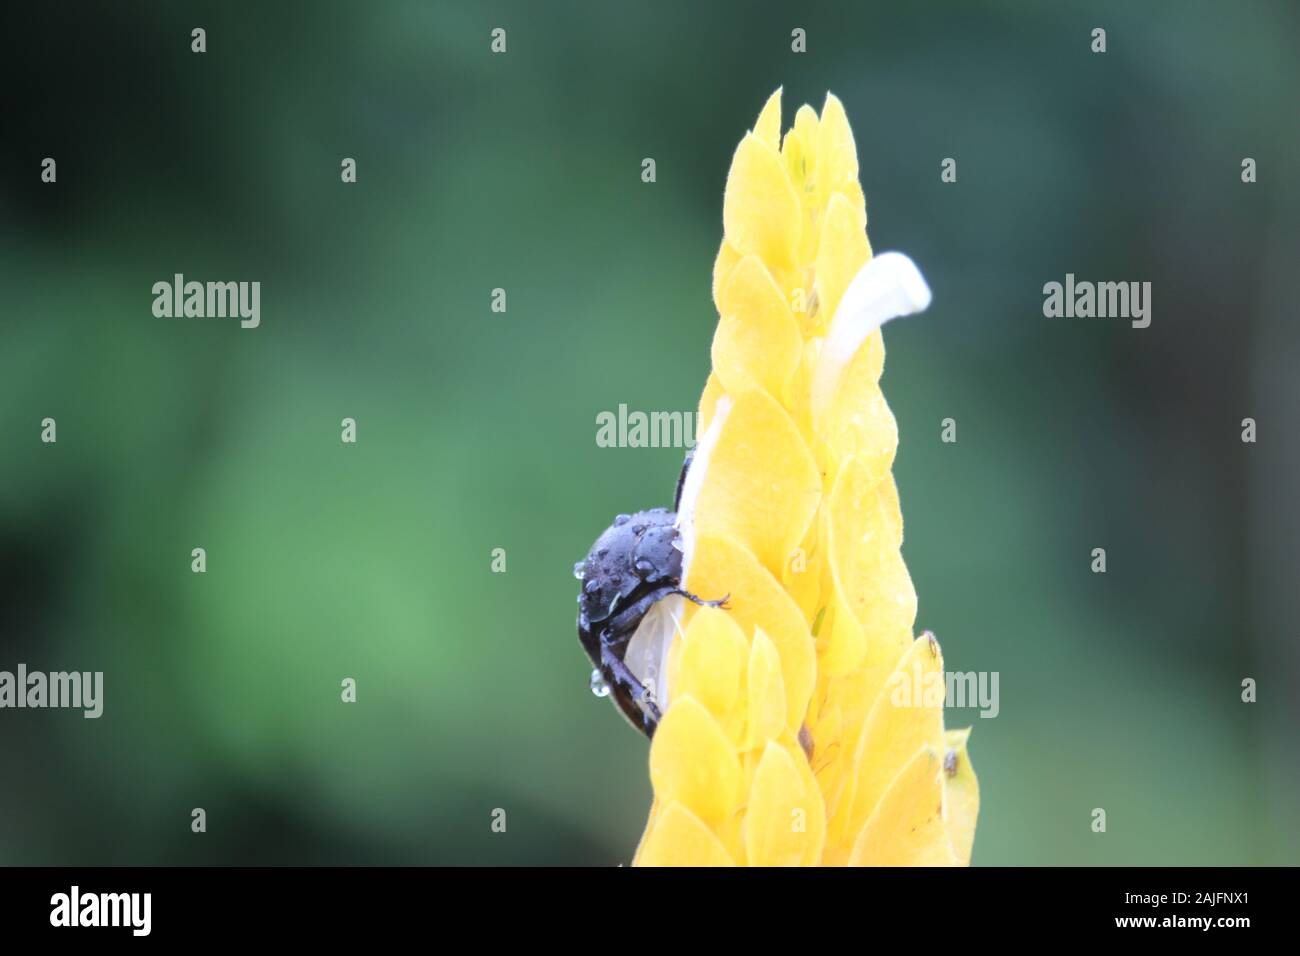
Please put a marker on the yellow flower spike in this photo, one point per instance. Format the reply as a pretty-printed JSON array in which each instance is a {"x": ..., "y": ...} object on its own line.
[
  {"x": 961, "y": 795},
  {"x": 907, "y": 827},
  {"x": 680, "y": 838},
  {"x": 762, "y": 486},
  {"x": 907, "y": 714},
  {"x": 757, "y": 600},
  {"x": 778, "y": 748},
  {"x": 767, "y": 718},
  {"x": 760, "y": 211},
  {"x": 757, "y": 341},
  {"x": 782, "y": 820},
  {"x": 692, "y": 762}
]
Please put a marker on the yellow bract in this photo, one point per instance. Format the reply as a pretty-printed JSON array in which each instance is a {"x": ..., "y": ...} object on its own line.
[
  {"x": 803, "y": 723},
  {"x": 906, "y": 827},
  {"x": 680, "y": 838},
  {"x": 760, "y": 211},
  {"x": 757, "y": 342},
  {"x": 762, "y": 487}
]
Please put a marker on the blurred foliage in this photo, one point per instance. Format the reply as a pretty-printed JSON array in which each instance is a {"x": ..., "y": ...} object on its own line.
[{"x": 476, "y": 430}]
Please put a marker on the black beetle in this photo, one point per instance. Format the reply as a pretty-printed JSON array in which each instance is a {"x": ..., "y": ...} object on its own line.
[{"x": 633, "y": 565}]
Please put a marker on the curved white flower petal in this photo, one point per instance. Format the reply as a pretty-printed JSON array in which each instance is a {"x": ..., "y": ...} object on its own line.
[
  {"x": 695, "y": 481},
  {"x": 888, "y": 286},
  {"x": 647, "y": 652}
]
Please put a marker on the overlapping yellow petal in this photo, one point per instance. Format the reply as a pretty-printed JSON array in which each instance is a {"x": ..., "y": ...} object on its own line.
[
  {"x": 766, "y": 688},
  {"x": 757, "y": 342},
  {"x": 762, "y": 486},
  {"x": 908, "y": 714},
  {"x": 843, "y": 250},
  {"x": 768, "y": 127},
  {"x": 961, "y": 795},
  {"x": 760, "y": 211},
  {"x": 857, "y": 422},
  {"x": 755, "y": 599},
  {"x": 804, "y": 724},
  {"x": 784, "y": 825},
  {"x": 680, "y": 838},
  {"x": 870, "y": 591},
  {"x": 710, "y": 665},
  {"x": 693, "y": 763},
  {"x": 907, "y": 827},
  {"x": 838, "y": 153}
]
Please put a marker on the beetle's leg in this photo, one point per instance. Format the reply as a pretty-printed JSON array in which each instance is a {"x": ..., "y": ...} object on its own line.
[
  {"x": 720, "y": 602},
  {"x": 626, "y": 684},
  {"x": 624, "y": 678},
  {"x": 614, "y": 637},
  {"x": 620, "y": 627}
]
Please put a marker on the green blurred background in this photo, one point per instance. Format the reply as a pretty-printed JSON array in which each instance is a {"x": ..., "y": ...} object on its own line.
[{"x": 477, "y": 430}]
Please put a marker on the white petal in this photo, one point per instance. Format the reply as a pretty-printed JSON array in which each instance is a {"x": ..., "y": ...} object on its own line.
[
  {"x": 695, "y": 481},
  {"x": 888, "y": 286},
  {"x": 647, "y": 652}
]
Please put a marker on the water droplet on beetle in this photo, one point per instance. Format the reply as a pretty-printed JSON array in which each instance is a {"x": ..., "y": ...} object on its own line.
[
  {"x": 592, "y": 586},
  {"x": 598, "y": 685},
  {"x": 622, "y": 519},
  {"x": 578, "y": 569}
]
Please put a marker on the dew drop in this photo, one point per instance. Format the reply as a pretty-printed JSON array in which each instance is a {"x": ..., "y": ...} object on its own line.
[
  {"x": 578, "y": 569},
  {"x": 598, "y": 685}
]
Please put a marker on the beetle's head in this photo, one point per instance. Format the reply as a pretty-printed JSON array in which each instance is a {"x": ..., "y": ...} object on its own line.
[{"x": 636, "y": 550}]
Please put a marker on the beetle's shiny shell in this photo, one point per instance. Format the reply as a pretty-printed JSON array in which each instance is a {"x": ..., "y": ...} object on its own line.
[{"x": 637, "y": 549}]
